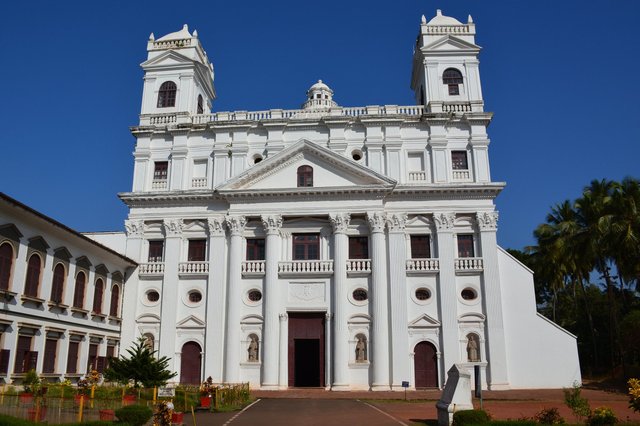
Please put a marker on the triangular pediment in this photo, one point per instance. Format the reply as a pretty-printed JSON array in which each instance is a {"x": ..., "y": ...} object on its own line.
[
  {"x": 450, "y": 42},
  {"x": 424, "y": 321},
  {"x": 190, "y": 322},
  {"x": 62, "y": 253},
  {"x": 330, "y": 171},
  {"x": 169, "y": 58}
]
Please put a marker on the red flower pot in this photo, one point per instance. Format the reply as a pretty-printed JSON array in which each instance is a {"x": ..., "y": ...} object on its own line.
[
  {"x": 77, "y": 398},
  {"x": 129, "y": 400},
  {"x": 205, "y": 401},
  {"x": 177, "y": 418},
  {"x": 107, "y": 415},
  {"x": 36, "y": 415},
  {"x": 26, "y": 398}
]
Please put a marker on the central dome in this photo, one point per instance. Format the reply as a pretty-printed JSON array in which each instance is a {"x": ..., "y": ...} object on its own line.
[{"x": 319, "y": 96}]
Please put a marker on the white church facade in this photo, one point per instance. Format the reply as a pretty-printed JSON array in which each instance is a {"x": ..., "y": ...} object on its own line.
[{"x": 327, "y": 246}]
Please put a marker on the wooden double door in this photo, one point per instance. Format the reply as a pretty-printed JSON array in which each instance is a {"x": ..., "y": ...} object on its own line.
[
  {"x": 306, "y": 349},
  {"x": 425, "y": 365}
]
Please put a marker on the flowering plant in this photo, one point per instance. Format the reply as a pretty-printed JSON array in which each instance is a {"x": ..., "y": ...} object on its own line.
[
  {"x": 634, "y": 394},
  {"x": 94, "y": 377},
  {"x": 83, "y": 386},
  {"x": 207, "y": 387}
]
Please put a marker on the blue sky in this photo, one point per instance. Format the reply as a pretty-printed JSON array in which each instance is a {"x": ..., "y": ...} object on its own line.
[{"x": 560, "y": 76}]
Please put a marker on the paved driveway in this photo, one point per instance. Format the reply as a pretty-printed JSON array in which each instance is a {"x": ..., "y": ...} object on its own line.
[{"x": 307, "y": 412}]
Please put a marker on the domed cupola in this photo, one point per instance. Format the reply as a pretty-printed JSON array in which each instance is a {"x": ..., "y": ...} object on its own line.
[{"x": 319, "y": 96}]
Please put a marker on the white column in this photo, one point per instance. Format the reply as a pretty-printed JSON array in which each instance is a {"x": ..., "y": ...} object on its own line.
[
  {"x": 38, "y": 346},
  {"x": 380, "y": 306},
  {"x": 447, "y": 291},
  {"x": 232, "y": 356},
  {"x": 10, "y": 342},
  {"x": 340, "y": 223},
  {"x": 284, "y": 348},
  {"x": 62, "y": 353},
  {"x": 47, "y": 275},
  {"x": 170, "y": 296},
  {"x": 20, "y": 268},
  {"x": 398, "y": 300},
  {"x": 129, "y": 295},
  {"x": 498, "y": 377},
  {"x": 214, "y": 334},
  {"x": 271, "y": 305},
  {"x": 328, "y": 349}
]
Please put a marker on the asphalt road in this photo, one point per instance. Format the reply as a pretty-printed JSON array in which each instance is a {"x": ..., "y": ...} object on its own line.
[{"x": 307, "y": 412}]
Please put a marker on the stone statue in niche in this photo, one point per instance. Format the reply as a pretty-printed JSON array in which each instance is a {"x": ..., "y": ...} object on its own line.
[
  {"x": 361, "y": 349},
  {"x": 472, "y": 348},
  {"x": 253, "y": 348}
]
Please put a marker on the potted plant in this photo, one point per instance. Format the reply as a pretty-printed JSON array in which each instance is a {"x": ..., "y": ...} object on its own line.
[
  {"x": 177, "y": 410},
  {"x": 31, "y": 386},
  {"x": 206, "y": 392},
  {"x": 130, "y": 395}
]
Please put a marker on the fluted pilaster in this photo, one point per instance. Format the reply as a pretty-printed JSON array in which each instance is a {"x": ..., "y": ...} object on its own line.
[
  {"x": 340, "y": 224},
  {"x": 236, "y": 226}
]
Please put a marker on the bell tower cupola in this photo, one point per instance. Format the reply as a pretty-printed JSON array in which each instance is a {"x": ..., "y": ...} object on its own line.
[
  {"x": 178, "y": 77},
  {"x": 445, "y": 75},
  {"x": 319, "y": 96}
]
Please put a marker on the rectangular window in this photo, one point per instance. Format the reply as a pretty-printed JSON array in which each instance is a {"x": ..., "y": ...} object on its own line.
[
  {"x": 160, "y": 170},
  {"x": 111, "y": 353},
  {"x": 358, "y": 247},
  {"x": 23, "y": 349},
  {"x": 50, "y": 353},
  {"x": 459, "y": 160},
  {"x": 306, "y": 246},
  {"x": 197, "y": 249},
  {"x": 255, "y": 248},
  {"x": 454, "y": 89},
  {"x": 72, "y": 357},
  {"x": 420, "y": 247},
  {"x": 92, "y": 362},
  {"x": 465, "y": 246},
  {"x": 4, "y": 360},
  {"x": 155, "y": 251},
  {"x": 101, "y": 364}
]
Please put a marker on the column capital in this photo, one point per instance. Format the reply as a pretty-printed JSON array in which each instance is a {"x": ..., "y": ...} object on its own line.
[
  {"x": 396, "y": 222},
  {"x": 444, "y": 221},
  {"x": 284, "y": 317},
  {"x": 272, "y": 223},
  {"x": 327, "y": 317},
  {"x": 134, "y": 228},
  {"x": 487, "y": 221},
  {"x": 236, "y": 224},
  {"x": 376, "y": 221},
  {"x": 173, "y": 227},
  {"x": 340, "y": 222},
  {"x": 215, "y": 225}
]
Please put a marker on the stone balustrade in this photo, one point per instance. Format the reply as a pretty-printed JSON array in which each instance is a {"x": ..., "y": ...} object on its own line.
[
  {"x": 253, "y": 267},
  {"x": 150, "y": 269},
  {"x": 358, "y": 266},
  {"x": 468, "y": 264},
  {"x": 456, "y": 107},
  {"x": 199, "y": 182},
  {"x": 448, "y": 29},
  {"x": 417, "y": 176},
  {"x": 159, "y": 184},
  {"x": 461, "y": 175},
  {"x": 421, "y": 266},
  {"x": 193, "y": 268},
  {"x": 306, "y": 267}
]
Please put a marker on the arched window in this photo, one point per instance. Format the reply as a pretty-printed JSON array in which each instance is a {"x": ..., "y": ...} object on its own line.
[
  {"x": 452, "y": 78},
  {"x": 78, "y": 294},
  {"x": 6, "y": 263},
  {"x": 167, "y": 95},
  {"x": 57, "y": 284},
  {"x": 305, "y": 176},
  {"x": 97, "y": 296},
  {"x": 200, "y": 105},
  {"x": 33, "y": 276},
  {"x": 115, "y": 300}
]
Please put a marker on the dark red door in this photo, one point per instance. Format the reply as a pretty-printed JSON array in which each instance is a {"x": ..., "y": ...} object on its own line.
[
  {"x": 426, "y": 365},
  {"x": 306, "y": 349},
  {"x": 190, "y": 363}
]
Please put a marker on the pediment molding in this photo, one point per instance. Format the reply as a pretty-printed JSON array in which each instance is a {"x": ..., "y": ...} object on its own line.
[
  {"x": 148, "y": 319},
  {"x": 190, "y": 322},
  {"x": 424, "y": 321},
  {"x": 450, "y": 42}
]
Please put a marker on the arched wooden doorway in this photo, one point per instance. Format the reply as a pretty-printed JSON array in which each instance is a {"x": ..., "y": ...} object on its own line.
[
  {"x": 426, "y": 365},
  {"x": 190, "y": 363}
]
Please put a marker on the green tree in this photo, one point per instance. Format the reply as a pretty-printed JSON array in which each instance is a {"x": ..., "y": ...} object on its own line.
[{"x": 142, "y": 367}]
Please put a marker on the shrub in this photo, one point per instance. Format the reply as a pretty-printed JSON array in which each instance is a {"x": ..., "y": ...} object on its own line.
[
  {"x": 135, "y": 415},
  {"x": 578, "y": 404},
  {"x": 602, "y": 416},
  {"x": 548, "y": 416},
  {"x": 470, "y": 417}
]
